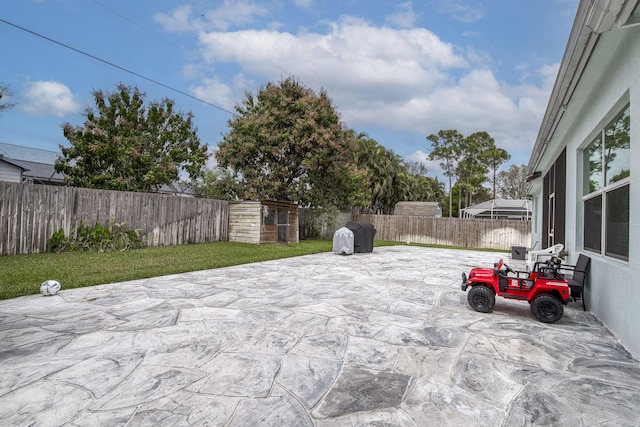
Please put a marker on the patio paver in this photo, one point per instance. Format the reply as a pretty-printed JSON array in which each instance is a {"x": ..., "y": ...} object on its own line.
[{"x": 385, "y": 338}]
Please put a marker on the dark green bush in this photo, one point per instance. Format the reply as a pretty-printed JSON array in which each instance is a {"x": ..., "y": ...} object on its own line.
[{"x": 117, "y": 237}]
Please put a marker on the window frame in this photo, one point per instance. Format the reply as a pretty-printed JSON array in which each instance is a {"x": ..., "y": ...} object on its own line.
[{"x": 605, "y": 189}]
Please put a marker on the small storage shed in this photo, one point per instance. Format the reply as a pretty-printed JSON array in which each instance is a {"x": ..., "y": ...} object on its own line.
[
  {"x": 267, "y": 221},
  {"x": 431, "y": 209}
]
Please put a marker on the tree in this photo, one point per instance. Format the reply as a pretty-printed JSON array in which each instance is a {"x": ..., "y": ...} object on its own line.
[
  {"x": 124, "y": 145},
  {"x": 423, "y": 188},
  {"x": 472, "y": 165},
  {"x": 4, "y": 93},
  {"x": 445, "y": 146},
  {"x": 512, "y": 183},
  {"x": 386, "y": 174},
  {"x": 287, "y": 143},
  {"x": 217, "y": 183},
  {"x": 495, "y": 157}
]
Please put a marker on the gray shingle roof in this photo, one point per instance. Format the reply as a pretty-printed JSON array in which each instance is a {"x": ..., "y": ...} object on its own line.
[
  {"x": 18, "y": 152},
  {"x": 37, "y": 164}
]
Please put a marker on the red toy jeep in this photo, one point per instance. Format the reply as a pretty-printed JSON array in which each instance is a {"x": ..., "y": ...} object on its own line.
[{"x": 544, "y": 288}]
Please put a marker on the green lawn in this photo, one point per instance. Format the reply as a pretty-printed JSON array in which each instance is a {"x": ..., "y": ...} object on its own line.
[{"x": 22, "y": 274}]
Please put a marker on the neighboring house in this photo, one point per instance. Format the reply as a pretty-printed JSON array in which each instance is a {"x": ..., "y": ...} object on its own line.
[
  {"x": 499, "y": 209},
  {"x": 38, "y": 168},
  {"x": 37, "y": 164},
  {"x": 584, "y": 170},
  {"x": 10, "y": 170}
]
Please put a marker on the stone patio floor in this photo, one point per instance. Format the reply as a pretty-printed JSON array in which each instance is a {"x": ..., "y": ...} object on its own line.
[{"x": 385, "y": 338}]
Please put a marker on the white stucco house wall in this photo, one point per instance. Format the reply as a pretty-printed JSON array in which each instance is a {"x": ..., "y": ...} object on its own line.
[{"x": 584, "y": 171}]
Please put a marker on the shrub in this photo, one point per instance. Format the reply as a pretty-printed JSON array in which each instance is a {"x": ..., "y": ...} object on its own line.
[
  {"x": 117, "y": 237},
  {"x": 325, "y": 221}
]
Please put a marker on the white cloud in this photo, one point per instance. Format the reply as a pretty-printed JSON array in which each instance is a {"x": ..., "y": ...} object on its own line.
[
  {"x": 49, "y": 98},
  {"x": 406, "y": 80},
  {"x": 405, "y": 17},
  {"x": 351, "y": 59},
  {"x": 461, "y": 12},
  {"x": 229, "y": 13},
  {"x": 215, "y": 92},
  {"x": 177, "y": 21}
]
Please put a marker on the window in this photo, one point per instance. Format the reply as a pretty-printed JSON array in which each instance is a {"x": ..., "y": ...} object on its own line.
[
  {"x": 593, "y": 224},
  {"x": 553, "y": 202},
  {"x": 606, "y": 170}
]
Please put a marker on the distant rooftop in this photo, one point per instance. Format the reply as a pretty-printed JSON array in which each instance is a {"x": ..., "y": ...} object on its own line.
[
  {"x": 39, "y": 164},
  {"x": 500, "y": 208},
  {"x": 37, "y": 155}
]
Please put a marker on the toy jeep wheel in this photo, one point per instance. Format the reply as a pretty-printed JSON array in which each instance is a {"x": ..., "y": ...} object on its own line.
[
  {"x": 547, "y": 308},
  {"x": 481, "y": 298}
]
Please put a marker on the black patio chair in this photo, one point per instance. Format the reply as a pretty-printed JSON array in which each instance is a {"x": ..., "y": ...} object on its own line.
[{"x": 576, "y": 275}]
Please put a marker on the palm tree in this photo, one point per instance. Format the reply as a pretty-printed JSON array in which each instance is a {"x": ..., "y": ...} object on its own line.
[{"x": 386, "y": 174}]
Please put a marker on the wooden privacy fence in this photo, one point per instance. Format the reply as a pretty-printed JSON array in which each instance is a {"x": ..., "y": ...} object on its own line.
[
  {"x": 30, "y": 214},
  {"x": 469, "y": 233}
]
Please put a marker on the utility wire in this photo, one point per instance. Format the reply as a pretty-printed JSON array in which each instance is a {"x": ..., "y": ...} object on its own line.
[
  {"x": 164, "y": 40},
  {"x": 104, "y": 61}
]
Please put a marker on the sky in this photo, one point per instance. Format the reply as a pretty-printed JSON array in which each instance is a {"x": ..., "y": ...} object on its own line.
[{"x": 395, "y": 70}]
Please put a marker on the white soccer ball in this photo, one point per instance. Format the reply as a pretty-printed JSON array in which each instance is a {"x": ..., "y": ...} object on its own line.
[{"x": 50, "y": 287}]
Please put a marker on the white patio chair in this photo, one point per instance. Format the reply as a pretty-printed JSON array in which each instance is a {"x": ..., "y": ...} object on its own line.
[{"x": 543, "y": 255}]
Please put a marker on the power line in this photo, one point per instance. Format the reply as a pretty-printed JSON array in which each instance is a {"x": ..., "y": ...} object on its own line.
[
  {"x": 164, "y": 40},
  {"x": 104, "y": 61}
]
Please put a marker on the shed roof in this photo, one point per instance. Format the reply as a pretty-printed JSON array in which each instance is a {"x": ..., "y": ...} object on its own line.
[{"x": 417, "y": 208}]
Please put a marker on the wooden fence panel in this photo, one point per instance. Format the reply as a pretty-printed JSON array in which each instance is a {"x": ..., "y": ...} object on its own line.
[
  {"x": 469, "y": 233},
  {"x": 30, "y": 214}
]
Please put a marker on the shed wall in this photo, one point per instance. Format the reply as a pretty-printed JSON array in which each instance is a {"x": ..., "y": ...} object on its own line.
[
  {"x": 247, "y": 224},
  {"x": 244, "y": 222}
]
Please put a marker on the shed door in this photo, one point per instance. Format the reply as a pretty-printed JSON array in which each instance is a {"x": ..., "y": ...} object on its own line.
[{"x": 283, "y": 224}]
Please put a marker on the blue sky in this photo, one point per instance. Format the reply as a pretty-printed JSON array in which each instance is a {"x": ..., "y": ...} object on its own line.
[{"x": 397, "y": 70}]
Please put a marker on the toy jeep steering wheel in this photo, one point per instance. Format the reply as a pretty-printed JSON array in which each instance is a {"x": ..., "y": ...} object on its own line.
[{"x": 501, "y": 264}]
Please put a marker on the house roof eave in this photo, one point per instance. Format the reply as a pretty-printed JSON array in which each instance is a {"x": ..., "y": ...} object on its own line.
[{"x": 593, "y": 18}]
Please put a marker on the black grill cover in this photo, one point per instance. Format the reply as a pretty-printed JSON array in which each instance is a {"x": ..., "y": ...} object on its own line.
[{"x": 363, "y": 234}]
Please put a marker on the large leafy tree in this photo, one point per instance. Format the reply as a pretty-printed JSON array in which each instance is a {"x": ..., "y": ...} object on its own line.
[
  {"x": 125, "y": 145},
  {"x": 512, "y": 183},
  {"x": 445, "y": 146},
  {"x": 216, "y": 183},
  {"x": 288, "y": 143}
]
